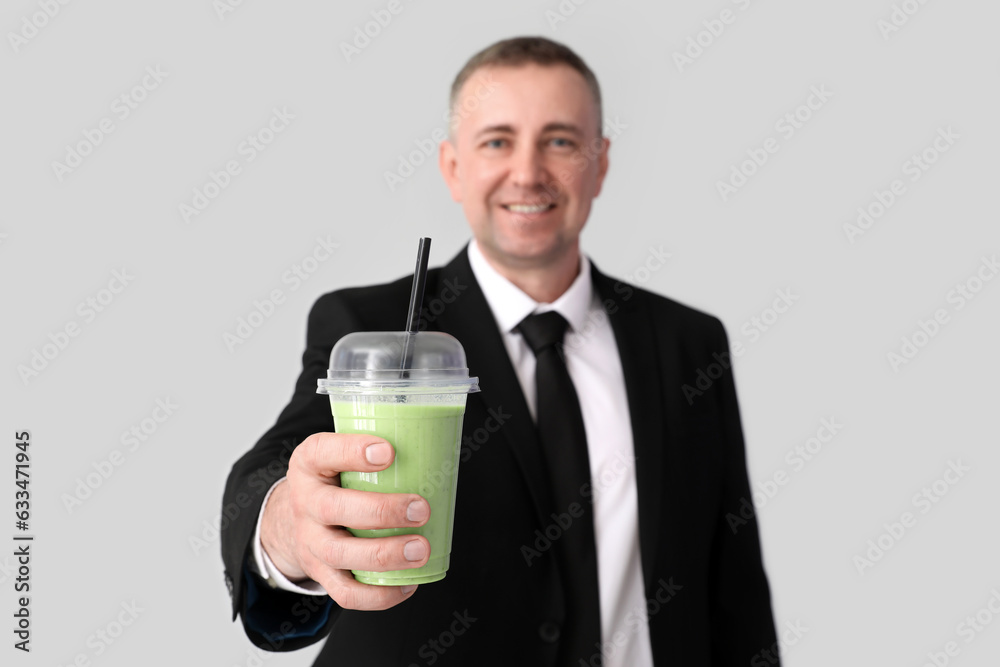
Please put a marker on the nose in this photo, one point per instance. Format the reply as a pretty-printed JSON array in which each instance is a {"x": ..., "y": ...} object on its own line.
[{"x": 527, "y": 167}]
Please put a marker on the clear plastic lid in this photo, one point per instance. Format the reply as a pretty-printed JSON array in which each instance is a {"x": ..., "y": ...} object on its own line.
[{"x": 368, "y": 362}]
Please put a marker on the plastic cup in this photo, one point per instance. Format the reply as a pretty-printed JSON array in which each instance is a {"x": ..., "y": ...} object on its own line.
[{"x": 420, "y": 412}]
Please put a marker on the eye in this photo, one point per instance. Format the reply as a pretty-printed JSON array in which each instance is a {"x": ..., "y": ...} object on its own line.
[
  {"x": 495, "y": 143},
  {"x": 562, "y": 142}
]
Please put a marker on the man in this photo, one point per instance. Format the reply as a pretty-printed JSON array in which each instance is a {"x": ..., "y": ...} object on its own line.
[{"x": 657, "y": 560}]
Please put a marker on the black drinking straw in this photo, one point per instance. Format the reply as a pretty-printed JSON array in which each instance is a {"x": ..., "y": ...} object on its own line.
[{"x": 416, "y": 298}]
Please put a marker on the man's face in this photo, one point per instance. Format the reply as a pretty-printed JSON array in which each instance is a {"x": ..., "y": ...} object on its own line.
[{"x": 526, "y": 162}]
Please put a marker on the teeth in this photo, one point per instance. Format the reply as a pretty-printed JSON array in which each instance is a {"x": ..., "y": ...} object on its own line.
[{"x": 522, "y": 208}]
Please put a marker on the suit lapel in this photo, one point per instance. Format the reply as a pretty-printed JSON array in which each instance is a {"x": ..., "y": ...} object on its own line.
[
  {"x": 471, "y": 321},
  {"x": 633, "y": 332}
]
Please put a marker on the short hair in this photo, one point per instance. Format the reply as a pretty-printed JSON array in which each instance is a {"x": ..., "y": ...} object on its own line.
[{"x": 525, "y": 51}]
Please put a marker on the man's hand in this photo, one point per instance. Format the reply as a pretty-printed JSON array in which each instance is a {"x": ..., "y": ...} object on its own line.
[{"x": 303, "y": 532}]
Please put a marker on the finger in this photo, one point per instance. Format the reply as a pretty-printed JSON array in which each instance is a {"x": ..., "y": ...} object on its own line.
[
  {"x": 366, "y": 510},
  {"x": 350, "y": 593},
  {"x": 341, "y": 584},
  {"x": 375, "y": 554},
  {"x": 328, "y": 454}
]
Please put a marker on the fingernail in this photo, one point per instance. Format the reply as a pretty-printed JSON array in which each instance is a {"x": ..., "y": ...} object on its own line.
[
  {"x": 414, "y": 550},
  {"x": 378, "y": 454},
  {"x": 417, "y": 511},
  {"x": 406, "y": 590}
]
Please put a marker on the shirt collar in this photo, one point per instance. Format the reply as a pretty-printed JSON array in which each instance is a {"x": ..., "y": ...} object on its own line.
[{"x": 510, "y": 305}]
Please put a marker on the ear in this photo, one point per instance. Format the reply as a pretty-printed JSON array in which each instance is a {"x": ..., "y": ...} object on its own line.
[
  {"x": 448, "y": 163},
  {"x": 602, "y": 164}
]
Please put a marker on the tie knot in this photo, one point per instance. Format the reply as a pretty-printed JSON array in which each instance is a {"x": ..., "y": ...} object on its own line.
[{"x": 543, "y": 330}]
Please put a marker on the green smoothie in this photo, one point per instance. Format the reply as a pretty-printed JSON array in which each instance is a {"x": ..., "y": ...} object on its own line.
[{"x": 427, "y": 439}]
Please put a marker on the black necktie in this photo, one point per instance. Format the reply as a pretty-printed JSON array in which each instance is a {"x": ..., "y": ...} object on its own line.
[{"x": 564, "y": 441}]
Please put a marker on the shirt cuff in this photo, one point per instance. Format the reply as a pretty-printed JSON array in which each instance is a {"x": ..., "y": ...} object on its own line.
[{"x": 265, "y": 566}]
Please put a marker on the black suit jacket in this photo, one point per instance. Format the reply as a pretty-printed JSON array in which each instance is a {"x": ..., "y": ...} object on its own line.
[{"x": 707, "y": 595}]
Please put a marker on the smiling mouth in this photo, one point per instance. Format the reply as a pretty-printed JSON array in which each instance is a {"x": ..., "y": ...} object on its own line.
[{"x": 528, "y": 208}]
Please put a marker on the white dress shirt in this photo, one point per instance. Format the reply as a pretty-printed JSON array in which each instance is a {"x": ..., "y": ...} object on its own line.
[
  {"x": 596, "y": 370},
  {"x": 595, "y": 367}
]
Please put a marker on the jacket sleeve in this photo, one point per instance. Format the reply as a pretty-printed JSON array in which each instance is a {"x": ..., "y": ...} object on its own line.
[
  {"x": 741, "y": 603},
  {"x": 274, "y": 619}
]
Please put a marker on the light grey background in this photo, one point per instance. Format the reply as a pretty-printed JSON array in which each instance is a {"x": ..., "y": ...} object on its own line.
[{"x": 680, "y": 131}]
